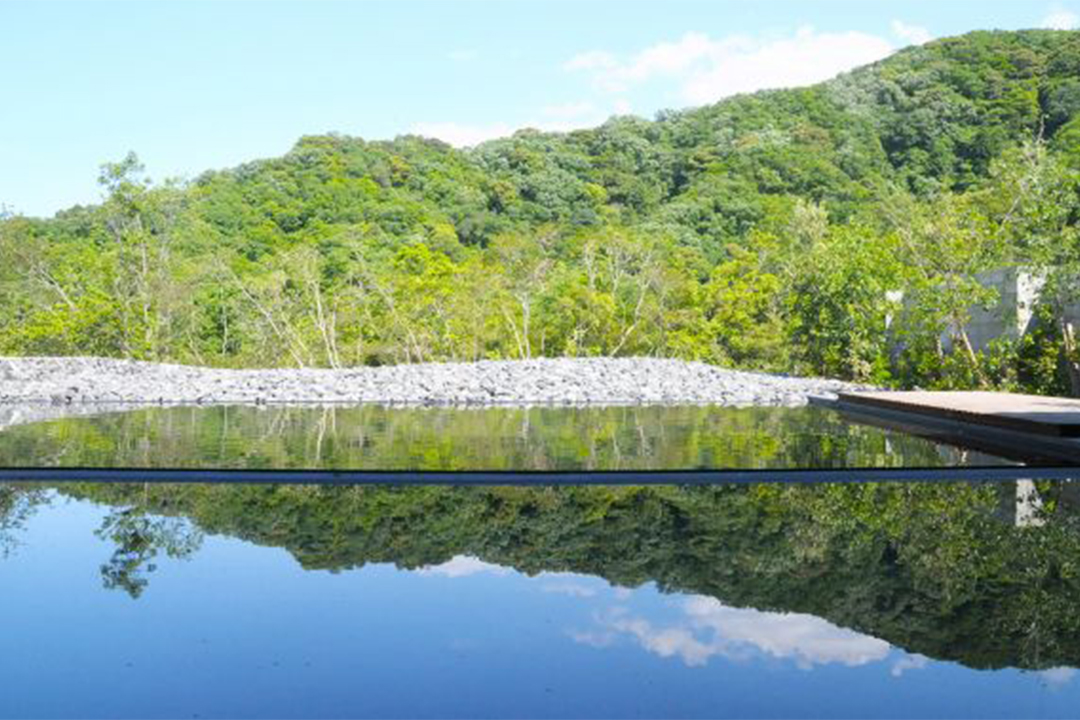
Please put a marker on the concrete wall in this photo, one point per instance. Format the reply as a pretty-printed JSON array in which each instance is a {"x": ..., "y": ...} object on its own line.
[
  {"x": 1012, "y": 316},
  {"x": 1018, "y": 296}
]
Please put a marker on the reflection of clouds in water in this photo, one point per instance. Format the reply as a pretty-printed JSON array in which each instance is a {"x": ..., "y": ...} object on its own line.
[
  {"x": 1057, "y": 678},
  {"x": 712, "y": 629},
  {"x": 595, "y": 639},
  {"x": 668, "y": 642},
  {"x": 707, "y": 628},
  {"x": 564, "y": 583},
  {"x": 909, "y": 662},
  {"x": 569, "y": 588},
  {"x": 464, "y": 566}
]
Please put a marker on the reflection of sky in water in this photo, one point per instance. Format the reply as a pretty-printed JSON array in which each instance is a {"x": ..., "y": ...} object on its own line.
[
  {"x": 710, "y": 629},
  {"x": 242, "y": 630},
  {"x": 696, "y": 628}
]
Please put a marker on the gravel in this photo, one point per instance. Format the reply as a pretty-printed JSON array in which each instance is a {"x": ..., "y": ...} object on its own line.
[{"x": 565, "y": 381}]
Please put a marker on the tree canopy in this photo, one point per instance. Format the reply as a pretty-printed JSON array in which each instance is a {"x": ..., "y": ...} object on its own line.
[
  {"x": 764, "y": 231},
  {"x": 940, "y": 569}
]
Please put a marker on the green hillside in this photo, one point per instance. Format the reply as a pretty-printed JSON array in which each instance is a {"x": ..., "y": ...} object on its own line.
[{"x": 762, "y": 231}]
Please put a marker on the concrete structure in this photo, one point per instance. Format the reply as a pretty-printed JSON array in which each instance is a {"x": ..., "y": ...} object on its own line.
[
  {"x": 1039, "y": 414},
  {"x": 1029, "y": 505},
  {"x": 1012, "y": 316},
  {"x": 1031, "y": 429}
]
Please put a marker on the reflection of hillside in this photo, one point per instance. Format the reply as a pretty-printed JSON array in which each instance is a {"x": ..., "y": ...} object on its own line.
[
  {"x": 539, "y": 438},
  {"x": 17, "y": 503},
  {"x": 30, "y": 413},
  {"x": 940, "y": 570}
]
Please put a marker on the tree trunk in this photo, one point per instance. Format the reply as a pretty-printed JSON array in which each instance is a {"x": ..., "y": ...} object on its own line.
[
  {"x": 1068, "y": 357},
  {"x": 969, "y": 353}
]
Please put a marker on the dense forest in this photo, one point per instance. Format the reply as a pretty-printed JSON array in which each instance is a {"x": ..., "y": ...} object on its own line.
[{"x": 766, "y": 231}]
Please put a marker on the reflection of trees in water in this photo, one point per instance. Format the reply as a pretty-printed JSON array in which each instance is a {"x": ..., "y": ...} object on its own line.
[
  {"x": 139, "y": 539},
  {"x": 939, "y": 569},
  {"x": 138, "y": 534},
  {"x": 17, "y": 504},
  {"x": 540, "y": 438}
]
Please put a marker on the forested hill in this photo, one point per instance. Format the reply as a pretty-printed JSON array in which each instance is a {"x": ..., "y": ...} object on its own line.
[{"x": 762, "y": 231}]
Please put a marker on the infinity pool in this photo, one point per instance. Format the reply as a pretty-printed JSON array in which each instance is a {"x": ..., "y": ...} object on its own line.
[
  {"x": 434, "y": 439},
  {"x": 895, "y": 600}
]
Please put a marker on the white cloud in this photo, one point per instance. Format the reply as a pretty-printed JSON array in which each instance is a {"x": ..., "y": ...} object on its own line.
[
  {"x": 570, "y": 110},
  {"x": 712, "y": 629},
  {"x": 572, "y": 589},
  {"x": 673, "y": 58},
  {"x": 594, "y": 639},
  {"x": 707, "y": 69},
  {"x": 462, "y": 55},
  {"x": 908, "y": 662},
  {"x": 467, "y": 135},
  {"x": 1061, "y": 19},
  {"x": 1057, "y": 678},
  {"x": 669, "y": 642},
  {"x": 594, "y": 60},
  {"x": 462, "y": 134},
  {"x": 700, "y": 69},
  {"x": 572, "y": 584},
  {"x": 464, "y": 566},
  {"x": 805, "y": 638},
  {"x": 807, "y": 58},
  {"x": 910, "y": 34}
]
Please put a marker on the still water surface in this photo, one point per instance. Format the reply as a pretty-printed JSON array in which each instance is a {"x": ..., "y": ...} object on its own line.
[
  {"x": 855, "y": 600},
  {"x": 539, "y": 438},
  {"x": 889, "y": 600}
]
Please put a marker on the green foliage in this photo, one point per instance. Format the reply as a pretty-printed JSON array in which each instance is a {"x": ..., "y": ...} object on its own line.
[
  {"x": 840, "y": 304},
  {"x": 742, "y": 313},
  {"x": 762, "y": 231},
  {"x": 940, "y": 569}
]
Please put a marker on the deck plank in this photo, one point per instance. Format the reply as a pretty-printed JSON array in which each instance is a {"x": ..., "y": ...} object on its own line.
[{"x": 1025, "y": 413}]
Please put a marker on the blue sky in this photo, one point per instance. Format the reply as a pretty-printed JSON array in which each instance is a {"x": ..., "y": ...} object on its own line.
[{"x": 197, "y": 85}]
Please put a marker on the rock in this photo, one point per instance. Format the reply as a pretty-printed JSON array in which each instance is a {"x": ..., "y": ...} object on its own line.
[{"x": 558, "y": 381}]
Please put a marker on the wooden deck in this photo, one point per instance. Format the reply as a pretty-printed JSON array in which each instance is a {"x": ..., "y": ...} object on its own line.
[{"x": 1052, "y": 416}]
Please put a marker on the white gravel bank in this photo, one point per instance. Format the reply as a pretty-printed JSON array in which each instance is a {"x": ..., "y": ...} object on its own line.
[{"x": 592, "y": 381}]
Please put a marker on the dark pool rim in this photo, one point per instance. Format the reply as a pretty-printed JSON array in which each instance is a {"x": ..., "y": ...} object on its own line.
[{"x": 540, "y": 477}]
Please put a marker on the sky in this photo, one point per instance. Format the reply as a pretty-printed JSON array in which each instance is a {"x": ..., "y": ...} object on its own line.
[{"x": 192, "y": 86}]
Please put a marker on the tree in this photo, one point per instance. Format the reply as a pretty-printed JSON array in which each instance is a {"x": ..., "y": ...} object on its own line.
[
  {"x": 839, "y": 296},
  {"x": 525, "y": 267},
  {"x": 1037, "y": 211},
  {"x": 140, "y": 220},
  {"x": 944, "y": 244}
]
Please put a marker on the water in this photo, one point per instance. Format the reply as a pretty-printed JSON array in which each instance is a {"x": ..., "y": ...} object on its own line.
[
  {"x": 544, "y": 439},
  {"x": 854, "y": 600},
  {"x": 871, "y": 600}
]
